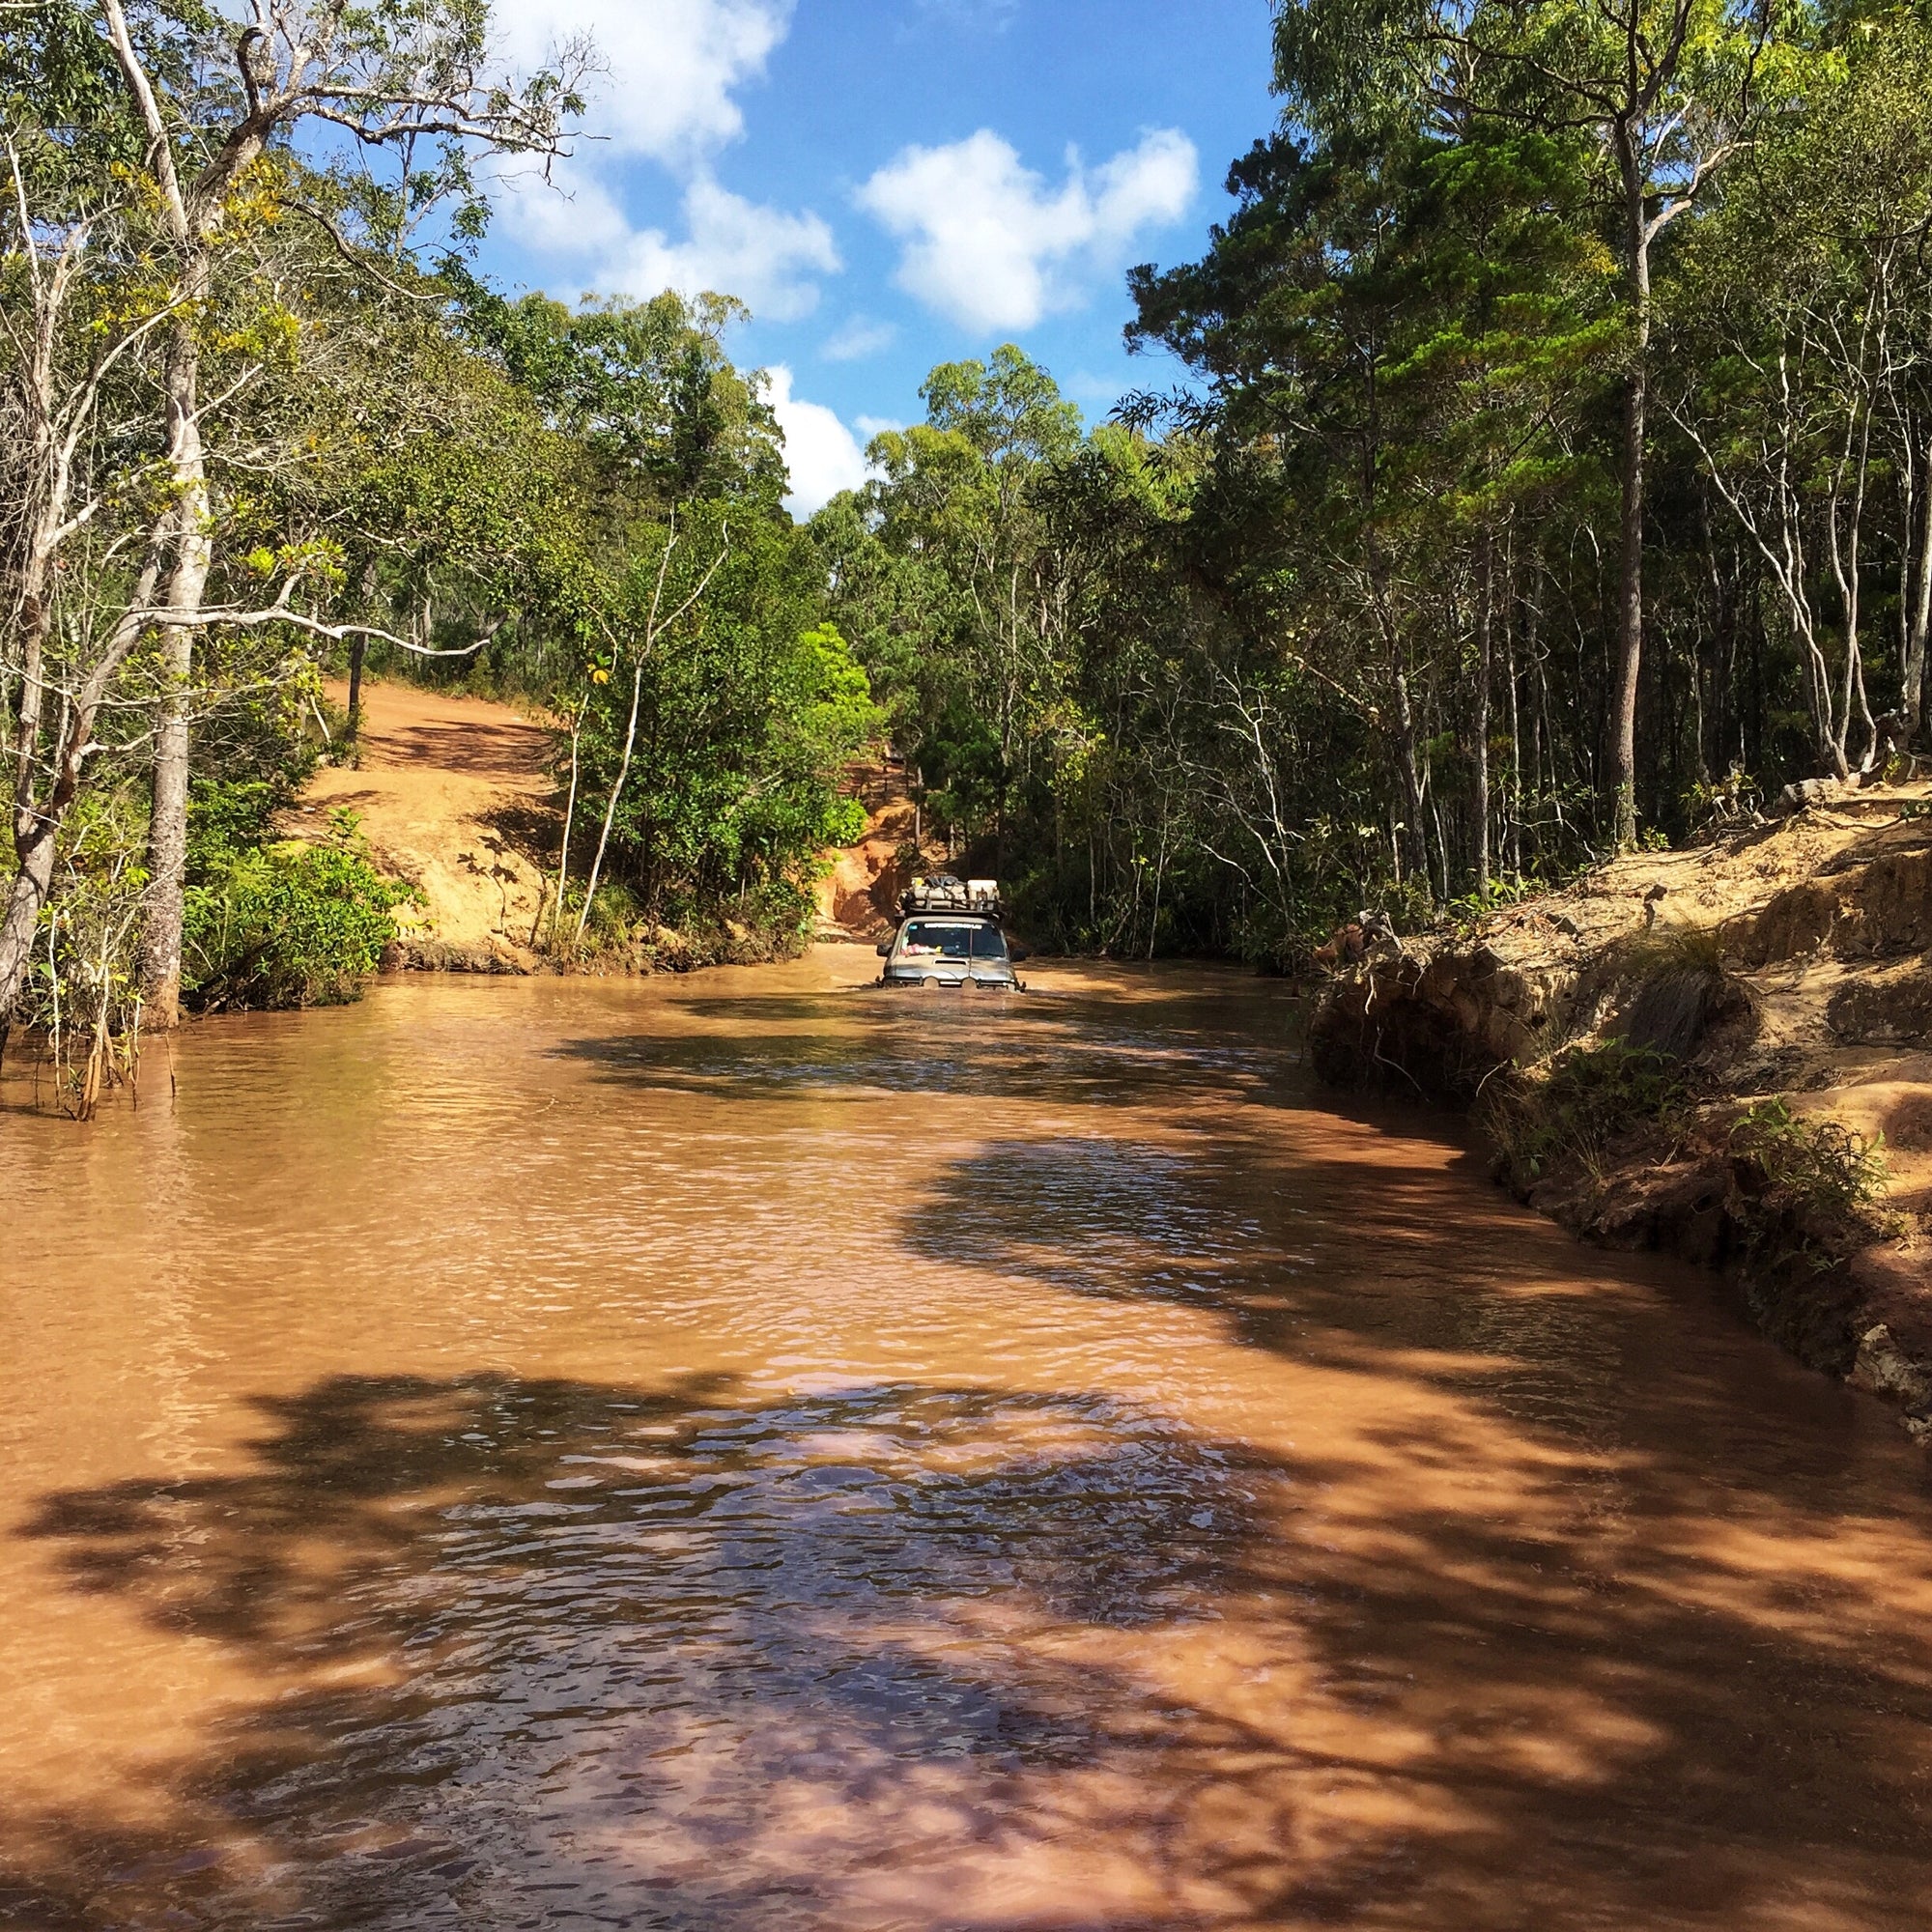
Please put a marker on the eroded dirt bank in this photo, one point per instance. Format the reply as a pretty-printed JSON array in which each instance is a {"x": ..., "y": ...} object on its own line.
[
  {"x": 1723, "y": 1053},
  {"x": 859, "y": 896}
]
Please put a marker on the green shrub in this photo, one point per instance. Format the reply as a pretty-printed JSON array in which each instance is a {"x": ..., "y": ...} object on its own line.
[
  {"x": 1664, "y": 949},
  {"x": 285, "y": 924},
  {"x": 610, "y": 932},
  {"x": 229, "y": 816},
  {"x": 612, "y": 925},
  {"x": 1819, "y": 1164},
  {"x": 1677, "y": 986}
]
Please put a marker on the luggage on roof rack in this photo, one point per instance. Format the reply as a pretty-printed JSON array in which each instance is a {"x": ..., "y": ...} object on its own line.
[{"x": 943, "y": 893}]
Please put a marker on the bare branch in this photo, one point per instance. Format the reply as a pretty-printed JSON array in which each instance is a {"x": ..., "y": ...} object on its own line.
[{"x": 281, "y": 613}]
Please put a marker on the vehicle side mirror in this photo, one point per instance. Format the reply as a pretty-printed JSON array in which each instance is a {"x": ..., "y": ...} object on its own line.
[
  {"x": 884, "y": 948},
  {"x": 1020, "y": 952}
]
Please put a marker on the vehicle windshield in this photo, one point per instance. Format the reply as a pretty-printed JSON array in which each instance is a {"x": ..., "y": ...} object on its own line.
[{"x": 942, "y": 939}]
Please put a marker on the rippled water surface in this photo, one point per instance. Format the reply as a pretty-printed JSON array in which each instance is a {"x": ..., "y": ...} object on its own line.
[{"x": 754, "y": 1453}]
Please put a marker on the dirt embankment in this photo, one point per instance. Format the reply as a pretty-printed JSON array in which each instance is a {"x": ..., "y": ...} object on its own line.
[
  {"x": 859, "y": 896},
  {"x": 454, "y": 797},
  {"x": 1697, "y": 1051}
]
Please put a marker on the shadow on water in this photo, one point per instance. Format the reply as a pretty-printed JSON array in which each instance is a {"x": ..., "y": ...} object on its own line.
[
  {"x": 566, "y": 1654},
  {"x": 1564, "y": 1617},
  {"x": 1359, "y": 1263},
  {"x": 863, "y": 1042},
  {"x": 1118, "y": 1219}
]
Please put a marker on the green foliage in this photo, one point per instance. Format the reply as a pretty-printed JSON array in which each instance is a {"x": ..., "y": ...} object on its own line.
[
  {"x": 611, "y": 930},
  {"x": 747, "y": 712},
  {"x": 1715, "y": 805},
  {"x": 1819, "y": 1164},
  {"x": 81, "y": 993},
  {"x": 1666, "y": 949},
  {"x": 1574, "y": 1109},
  {"x": 283, "y": 923},
  {"x": 1801, "y": 376},
  {"x": 1336, "y": 626},
  {"x": 1502, "y": 893},
  {"x": 645, "y": 388}
]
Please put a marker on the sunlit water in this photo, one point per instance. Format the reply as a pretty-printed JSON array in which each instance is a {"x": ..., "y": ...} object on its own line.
[{"x": 755, "y": 1453}]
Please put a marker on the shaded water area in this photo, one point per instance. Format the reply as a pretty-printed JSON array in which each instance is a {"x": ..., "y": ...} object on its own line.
[{"x": 755, "y": 1453}]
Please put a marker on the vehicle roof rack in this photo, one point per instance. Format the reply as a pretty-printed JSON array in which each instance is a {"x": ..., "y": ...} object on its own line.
[{"x": 942, "y": 891}]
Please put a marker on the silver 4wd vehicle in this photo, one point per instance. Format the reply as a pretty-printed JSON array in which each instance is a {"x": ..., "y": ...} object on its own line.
[{"x": 949, "y": 935}]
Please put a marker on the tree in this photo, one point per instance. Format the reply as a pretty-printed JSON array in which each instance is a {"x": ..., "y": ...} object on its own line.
[
  {"x": 713, "y": 746},
  {"x": 392, "y": 76},
  {"x": 1668, "y": 89},
  {"x": 84, "y": 310},
  {"x": 957, "y": 528},
  {"x": 1399, "y": 346},
  {"x": 1804, "y": 328},
  {"x": 647, "y": 388},
  {"x": 652, "y": 620}
]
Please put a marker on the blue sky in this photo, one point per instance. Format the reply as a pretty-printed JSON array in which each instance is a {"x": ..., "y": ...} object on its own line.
[{"x": 890, "y": 183}]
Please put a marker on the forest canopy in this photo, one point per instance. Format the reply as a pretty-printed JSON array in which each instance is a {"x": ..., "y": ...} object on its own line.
[
  {"x": 1547, "y": 470},
  {"x": 1536, "y": 459}
]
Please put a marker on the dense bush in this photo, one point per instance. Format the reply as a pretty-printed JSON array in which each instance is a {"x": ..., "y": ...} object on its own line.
[
  {"x": 1574, "y": 1108},
  {"x": 723, "y": 740},
  {"x": 277, "y": 923}
]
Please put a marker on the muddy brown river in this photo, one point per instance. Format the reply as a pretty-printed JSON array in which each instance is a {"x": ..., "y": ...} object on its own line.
[{"x": 752, "y": 1452}]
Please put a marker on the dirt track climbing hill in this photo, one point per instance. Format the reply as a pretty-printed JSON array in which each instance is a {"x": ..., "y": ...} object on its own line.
[
  {"x": 859, "y": 896},
  {"x": 453, "y": 796}
]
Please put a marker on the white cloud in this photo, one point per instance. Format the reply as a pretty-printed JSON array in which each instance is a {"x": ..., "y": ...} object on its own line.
[
  {"x": 990, "y": 245},
  {"x": 671, "y": 67},
  {"x": 573, "y": 215},
  {"x": 823, "y": 455},
  {"x": 665, "y": 94},
  {"x": 856, "y": 338},
  {"x": 871, "y": 426},
  {"x": 761, "y": 255}
]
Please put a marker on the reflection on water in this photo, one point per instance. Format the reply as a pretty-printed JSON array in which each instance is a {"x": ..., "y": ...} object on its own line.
[{"x": 757, "y": 1454}]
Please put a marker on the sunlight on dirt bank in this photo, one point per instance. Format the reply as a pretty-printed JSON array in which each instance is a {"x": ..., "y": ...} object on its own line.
[{"x": 454, "y": 798}]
